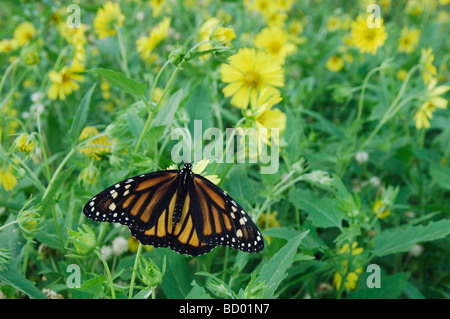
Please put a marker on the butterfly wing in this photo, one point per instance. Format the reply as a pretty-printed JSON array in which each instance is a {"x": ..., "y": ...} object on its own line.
[
  {"x": 137, "y": 202},
  {"x": 181, "y": 237},
  {"x": 219, "y": 220},
  {"x": 209, "y": 218}
]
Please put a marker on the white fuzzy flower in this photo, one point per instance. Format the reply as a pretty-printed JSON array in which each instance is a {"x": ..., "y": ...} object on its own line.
[
  {"x": 416, "y": 251},
  {"x": 106, "y": 252},
  {"x": 119, "y": 246},
  {"x": 362, "y": 157},
  {"x": 375, "y": 181}
]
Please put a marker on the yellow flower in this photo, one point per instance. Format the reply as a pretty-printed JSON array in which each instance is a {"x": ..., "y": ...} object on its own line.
[
  {"x": 275, "y": 42},
  {"x": 345, "y": 249},
  {"x": 366, "y": 39},
  {"x": 7, "y": 179},
  {"x": 106, "y": 93},
  {"x": 380, "y": 209},
  {"x": 8, "y": 45},
  {"x": 65, "y": 81},
  {"x": 333, "y": 24},
  {"x": 157, "y": 6},
  {"x": 334, "y": 64},
  {"x": 408, "y": 40},
  {"x": 101, "y": 144},
  {"x": 107, "y": 19},
  {"x": 401, "y": 74},
  {"x": 351, "y": 277},
  {"x": 426, "y": 65},
  {"x": 204, "y": 33},
  {"x": 133, "y": 245},
  {"x": 24, "y": 32},
  {"x": 199, "y": 167},
  {"x": 223, "y": 35},
  {"x": 433, "y": 101},
  {"x": 268, "y": 118},
  {"x": 25, "y": 143},
  {"x": 269, "y": 220},
  {"x": 262, "y": 6},
  {"x": 145, "y": 45},
  {"x": 249, "y": 71}
]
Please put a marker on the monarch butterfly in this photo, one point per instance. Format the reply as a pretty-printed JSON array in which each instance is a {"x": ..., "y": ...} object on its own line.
[{"x": 177, "y": 209}]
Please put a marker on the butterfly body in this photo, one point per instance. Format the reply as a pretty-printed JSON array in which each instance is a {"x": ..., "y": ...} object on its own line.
[{"x": 177, "y": 209}]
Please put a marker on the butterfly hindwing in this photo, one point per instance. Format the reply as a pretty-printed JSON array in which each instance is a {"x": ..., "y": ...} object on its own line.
[
  {"x": 220, "y": 220},
  {"x": 136, "y": 202}
]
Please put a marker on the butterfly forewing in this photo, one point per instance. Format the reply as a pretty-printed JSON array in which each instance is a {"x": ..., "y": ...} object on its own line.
[{"x": 136, "y": 202}]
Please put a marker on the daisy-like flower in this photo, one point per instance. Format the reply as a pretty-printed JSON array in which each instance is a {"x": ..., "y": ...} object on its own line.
[
  {"x": 427, "y": 68},
  {"x": 432, "y": 101},
  {"x": 65, "y": 81},
  {"x": 408, "y": 40},
  {"x": 267, "y": 117},
  {"x": 366, "y": 39},
  {"x": 8, "y": 45},
  {"x": 334, "y": 63},
  {"x": 23, "y": 33},
  {"x": 248, "y": 72},
  {"x": 145, "y": 45},
  {"x": 107, "y": 19},
  {"x": 275, "y": 41}
]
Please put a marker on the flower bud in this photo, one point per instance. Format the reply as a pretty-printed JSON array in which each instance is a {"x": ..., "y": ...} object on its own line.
[
  {"x": 83, "y": 240},
  {"x": 149, "y": 273},
  {"x": 25, "y": 143}
]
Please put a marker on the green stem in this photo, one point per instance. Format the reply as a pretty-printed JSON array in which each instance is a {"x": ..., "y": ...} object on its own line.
[
  {"x": 108, "y": 274},
  {"x": 5, "y": 75},
  {"x": 58, "y": 171},
  {"x": 155, "y": 110},
  {"x": 9, "y": 224},
  {"x": 123, "y": 53},
  {"x": 133, "y": 275},
  {"x": 25, "y": 259}
]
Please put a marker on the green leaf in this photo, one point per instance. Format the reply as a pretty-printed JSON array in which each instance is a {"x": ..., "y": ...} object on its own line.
[
  {"x": 177, "y": 279},
  {"x": 80, "y": 116},
  {"x": 281, "y": 232},
  {"x": 322, "y": 212},
  {"x": 391, "y": 242},
  {"x": 199, "y": 108},
  {"x": 391, "y": 288},
  {"x": 441, "y": 175},
  {"x": 135, "y": 124},
  {"x": 275, "y": 270},
  {"x": 48, "y": 199},
  {"x": 243, "y": 189},
  {"x": 19, "y": 282},
  {"x": 121, "y": 81},
  {"x": 166, "y": 113}
]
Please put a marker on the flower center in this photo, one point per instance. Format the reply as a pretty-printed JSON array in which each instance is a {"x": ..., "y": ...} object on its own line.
[
  {"x": 65, "y": 77},
  {"x": 370, "y": 34},
  {"x": 274, "y": 46},
  {"x": 252, "y": 79}
]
